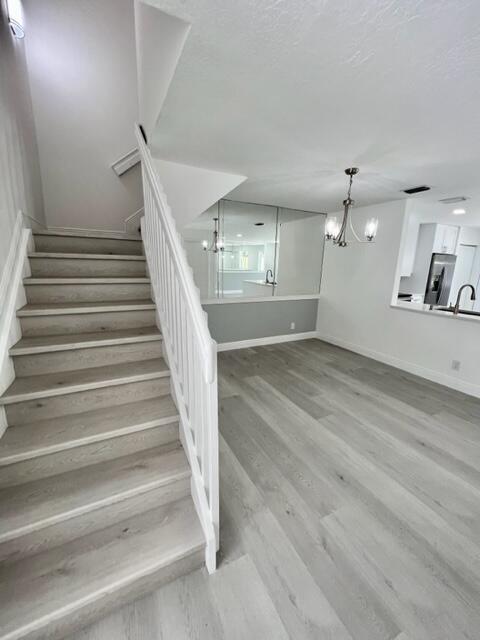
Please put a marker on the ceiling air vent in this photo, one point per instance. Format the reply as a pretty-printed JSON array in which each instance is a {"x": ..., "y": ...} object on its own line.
[
  {"x": 454, "y": 200},
  {"x": 416, "y": 190}
]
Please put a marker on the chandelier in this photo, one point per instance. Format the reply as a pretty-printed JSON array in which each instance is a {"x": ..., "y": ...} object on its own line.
[
  {"x": 217, "y": 244},
  {"x": 337, "y": 232}
]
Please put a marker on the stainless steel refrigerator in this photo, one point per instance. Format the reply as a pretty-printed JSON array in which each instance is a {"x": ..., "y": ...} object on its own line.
[{"x": 440, "y": 276}]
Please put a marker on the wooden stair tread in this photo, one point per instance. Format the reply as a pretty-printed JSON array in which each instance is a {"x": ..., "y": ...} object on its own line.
[
  {"x": 61, "y": 582},
  {"x": 86, "y": 280},
  {"x": 35, "y": 505},
  {"x": 43, "y": 344},
  {"x": 51, "y": 435},
  {"x": 63, "y": 308},
  {"x": 95, "y": 504},
  {"x": 54, "y": 384},
  {"x": 78, "y": 234},
  {"x": 86, "y": 256}
]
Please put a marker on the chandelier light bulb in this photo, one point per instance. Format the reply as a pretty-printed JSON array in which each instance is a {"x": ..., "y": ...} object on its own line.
[
  {"x": 371, "y": 229},
  {"x": 331, "y": 228},
  {"x": 205, "y": 245}
]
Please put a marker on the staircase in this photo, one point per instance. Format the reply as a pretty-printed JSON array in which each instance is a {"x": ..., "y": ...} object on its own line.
[{"x": 95, "y": 504}]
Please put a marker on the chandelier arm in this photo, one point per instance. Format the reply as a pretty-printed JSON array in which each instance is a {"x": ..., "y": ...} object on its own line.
[
  {"x": 357, "y": 238},
  {"x": 341, "y": 237}
]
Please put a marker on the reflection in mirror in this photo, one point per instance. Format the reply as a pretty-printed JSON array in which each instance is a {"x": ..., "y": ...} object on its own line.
[
  {"x": 300, "y": 252},
  {"x": 440, "y": 261},
  {"x": 259, "y": 251},
  {"x": 248, "y": 265}
]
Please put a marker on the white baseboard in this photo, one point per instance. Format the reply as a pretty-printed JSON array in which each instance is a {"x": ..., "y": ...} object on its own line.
[
  {"x": 258, "y": 342},
  {"x": 12, "y": 297},
  {"x": 430, "y": 374}
]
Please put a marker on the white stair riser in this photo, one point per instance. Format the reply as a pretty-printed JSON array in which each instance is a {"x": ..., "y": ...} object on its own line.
[
  {"x": 59, "y": 293},
  {"x": 84, "y": 268},
  {"x": 33, "y": 410},
  {"x": 94, "y": 520},
  {"x": 75, "y": 359},
  {"x": 86, "y": 322},
  {"x": 88, "y": 454},
  {"x": 72, "y": 244}
]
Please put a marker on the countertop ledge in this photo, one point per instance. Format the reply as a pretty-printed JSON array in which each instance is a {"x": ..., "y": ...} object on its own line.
[{"x": 442, "y": 314}]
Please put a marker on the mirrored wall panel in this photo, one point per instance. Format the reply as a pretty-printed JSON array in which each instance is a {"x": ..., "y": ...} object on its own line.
[
  {"x": 300, "y": 252},
  {"x": 246, "y": 250}
]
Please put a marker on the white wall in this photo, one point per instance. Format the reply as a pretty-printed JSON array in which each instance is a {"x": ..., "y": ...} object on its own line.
[
  {"x": 192, "y": 190},
  {"x": 20, "y": 191},
  {"x": 355, "y": 312},
  {"x": 82, "y": 66},
  {"x": 160, "y": 38},
  {"x": 469, "y": 235},
  {"x": 20, "y": 185}
]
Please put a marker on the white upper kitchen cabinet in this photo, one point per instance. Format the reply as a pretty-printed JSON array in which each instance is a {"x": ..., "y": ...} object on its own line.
[{"x": 446, "y": 238}]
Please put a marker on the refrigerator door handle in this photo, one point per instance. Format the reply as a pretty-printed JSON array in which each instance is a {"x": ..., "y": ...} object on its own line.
[{"x": 440, "y": 284}]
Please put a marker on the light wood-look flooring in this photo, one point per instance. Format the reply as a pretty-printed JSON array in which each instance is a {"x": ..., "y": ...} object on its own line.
[{"x": 350, "y": 508}]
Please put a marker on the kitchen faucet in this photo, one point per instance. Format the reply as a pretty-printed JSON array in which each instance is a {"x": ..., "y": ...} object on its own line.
[
  {"x": 267, "y": 279},
  {"x": 456, "y": 308}
]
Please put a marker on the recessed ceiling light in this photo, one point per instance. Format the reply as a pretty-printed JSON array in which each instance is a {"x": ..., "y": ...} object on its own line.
[
  {"x": 239, "y": 235},
  {"x": 458, "y": 212}
]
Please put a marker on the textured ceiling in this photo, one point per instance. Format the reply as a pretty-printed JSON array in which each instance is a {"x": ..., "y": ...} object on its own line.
[{"x": 291, "y": 92}]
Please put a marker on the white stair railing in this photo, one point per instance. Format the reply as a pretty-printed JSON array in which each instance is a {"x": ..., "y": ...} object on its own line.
[{"x": 190, "y": 350}]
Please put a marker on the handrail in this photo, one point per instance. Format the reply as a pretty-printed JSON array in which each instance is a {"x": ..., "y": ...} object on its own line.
[
  {"x": 184, "y": 270},
  {"x": 189, "y": 349}
]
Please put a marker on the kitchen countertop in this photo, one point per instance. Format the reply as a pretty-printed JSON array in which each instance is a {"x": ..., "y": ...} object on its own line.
[
  {"x": 261, "y": 283},
  {"x": 424, "y": 308}
]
